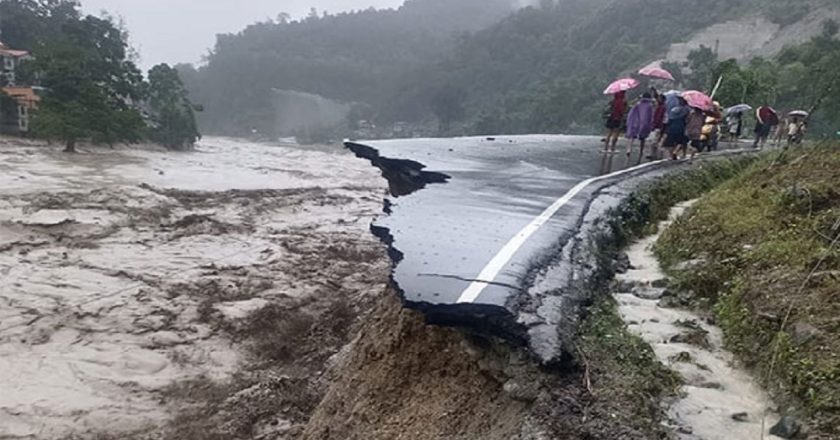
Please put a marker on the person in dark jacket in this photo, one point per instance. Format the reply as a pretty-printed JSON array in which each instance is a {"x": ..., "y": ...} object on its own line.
[{"x": 676, "y": 139}]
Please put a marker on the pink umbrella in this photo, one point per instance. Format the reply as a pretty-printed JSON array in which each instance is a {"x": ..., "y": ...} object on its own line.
[
  {"x": 699, "y": 100},
  {"x": 621, "y": 85},
  {"x": 656, "y": 72}
]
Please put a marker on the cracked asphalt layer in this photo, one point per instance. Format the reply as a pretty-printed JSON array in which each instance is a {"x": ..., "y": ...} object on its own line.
[{"x": 482, "y": 230}]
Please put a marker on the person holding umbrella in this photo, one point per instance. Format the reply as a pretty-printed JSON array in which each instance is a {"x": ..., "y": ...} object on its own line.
[
  {"x": 676, "y": 140},
  {"x": 617, "y": 110},
  {"x": 615, "y": 119},
  {"x": 797, "y": 127},
  {"x": 735, "y": 121}
]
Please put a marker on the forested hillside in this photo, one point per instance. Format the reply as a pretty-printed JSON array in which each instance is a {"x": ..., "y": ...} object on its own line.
[
  {"x": 536, "y": 69},
  {"x": 353, "y": 57},
  {"x": 89, "y": 89}
]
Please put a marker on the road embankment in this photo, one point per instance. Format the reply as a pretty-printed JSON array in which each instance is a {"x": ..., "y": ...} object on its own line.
[{"x": 403, "y": 378}]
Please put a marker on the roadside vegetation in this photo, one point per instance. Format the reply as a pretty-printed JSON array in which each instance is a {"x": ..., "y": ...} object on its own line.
[
  {"x": 625, "y": 381},
  {"x": 761, "y": 254}
]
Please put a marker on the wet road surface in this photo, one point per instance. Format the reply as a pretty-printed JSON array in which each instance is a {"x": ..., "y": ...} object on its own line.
[{"x": 490, "y": 209}]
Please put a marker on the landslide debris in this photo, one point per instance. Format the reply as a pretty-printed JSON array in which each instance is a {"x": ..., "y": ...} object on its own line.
[{"x": 403, "y": 379}]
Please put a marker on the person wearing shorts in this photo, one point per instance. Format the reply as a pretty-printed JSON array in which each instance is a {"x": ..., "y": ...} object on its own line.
[{"x": 615, "y": 120}]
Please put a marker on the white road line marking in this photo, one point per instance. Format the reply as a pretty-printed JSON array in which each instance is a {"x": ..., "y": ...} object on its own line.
[{"x": 491, "y": 271}]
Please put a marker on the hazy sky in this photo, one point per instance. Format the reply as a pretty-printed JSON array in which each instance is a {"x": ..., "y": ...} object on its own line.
[{"x": 174, "y": 31}]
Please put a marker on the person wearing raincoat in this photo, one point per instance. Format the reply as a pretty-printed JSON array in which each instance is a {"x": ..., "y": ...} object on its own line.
[{"x": 640, "y": 124}]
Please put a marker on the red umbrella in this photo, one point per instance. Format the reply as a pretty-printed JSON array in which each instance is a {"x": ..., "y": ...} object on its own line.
[
  {"x": 621, "y": 85},
  {"x": 656, "y": 72},
  {"x": 699, "y": 100}
]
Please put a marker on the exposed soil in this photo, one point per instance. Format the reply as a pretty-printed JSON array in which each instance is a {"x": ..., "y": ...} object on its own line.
[{"x": 402, "y": 379}]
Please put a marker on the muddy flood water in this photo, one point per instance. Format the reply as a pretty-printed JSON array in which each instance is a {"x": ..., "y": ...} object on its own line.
[
  {"x": 120, "y": 268},
  {"x": 720, "y": 400}
]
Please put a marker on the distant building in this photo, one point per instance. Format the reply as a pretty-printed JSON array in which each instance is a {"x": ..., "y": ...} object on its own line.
[
  {"x": 11, "y": 59},
  {"x": 27, "y": 100},
  {"x": 22, "y": 100}
]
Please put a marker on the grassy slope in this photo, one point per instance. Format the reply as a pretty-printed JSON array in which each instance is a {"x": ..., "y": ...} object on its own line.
[
  {"x": 759, "y": 236},
  {"x": 628, "y": 382}
]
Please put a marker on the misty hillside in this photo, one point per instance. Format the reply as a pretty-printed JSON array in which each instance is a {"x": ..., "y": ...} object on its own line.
[
  {"x": 481, "y": 66},
  {"x": 352, "y": 57}
]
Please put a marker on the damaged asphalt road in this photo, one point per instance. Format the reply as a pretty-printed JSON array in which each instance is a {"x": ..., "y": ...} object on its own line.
[{"x": 483, "y": 232}]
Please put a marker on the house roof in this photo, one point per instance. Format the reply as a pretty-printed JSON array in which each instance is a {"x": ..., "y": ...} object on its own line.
[
  {"x": 23, "y": 95},
  {"x": 13, "y": 53},
  {"x": 6, "y": 51}
]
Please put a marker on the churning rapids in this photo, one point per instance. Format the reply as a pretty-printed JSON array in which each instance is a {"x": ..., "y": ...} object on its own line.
[
  {"x": 719, "y": 400},
  {"x": 119, "y": 267}
]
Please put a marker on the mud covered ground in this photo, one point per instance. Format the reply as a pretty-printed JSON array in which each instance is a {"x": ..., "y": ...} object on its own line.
[{"x": 178, "y": 295}]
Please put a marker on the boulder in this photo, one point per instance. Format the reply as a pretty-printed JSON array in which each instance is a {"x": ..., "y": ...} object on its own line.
[
  {"x": 787, "y": 428},
  {"x": 622, "y": 263},
  {"x": 660, "y": 283},
  {"x": 690, "y": 264},
  {"x": 803, "y": 332},
  {"x": 647, "y": 293}
]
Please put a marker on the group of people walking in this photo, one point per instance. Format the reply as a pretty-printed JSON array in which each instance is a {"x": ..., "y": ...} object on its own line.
[{"x": 680, "y": 129}]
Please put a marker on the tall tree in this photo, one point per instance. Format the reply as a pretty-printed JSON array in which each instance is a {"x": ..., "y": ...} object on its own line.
[
  {"x": 91, "y": 86},
  {"x": 701, "y": 63},
  {"x": 173, "y": 120},
  {"x": 25, "y": 23}
]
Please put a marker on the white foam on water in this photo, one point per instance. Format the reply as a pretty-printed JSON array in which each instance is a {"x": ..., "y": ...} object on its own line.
[{"x": 716, "y": 388}]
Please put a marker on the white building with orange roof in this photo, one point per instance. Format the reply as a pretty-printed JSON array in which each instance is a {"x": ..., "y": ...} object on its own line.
[
  {"x": 11, "y": 59},
  {"x": 25, "y": 97}
]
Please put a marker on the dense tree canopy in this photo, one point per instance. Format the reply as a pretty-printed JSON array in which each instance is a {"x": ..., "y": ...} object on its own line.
[
  {"x": 25, "y": 23},
  {"x": 540, "y": 68},
  {"x": 173, "y": 120},
  {"x": 91, "y": 89},
  {"x": 90, "y": 85},
  {"x": 365, "y": 56}
]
